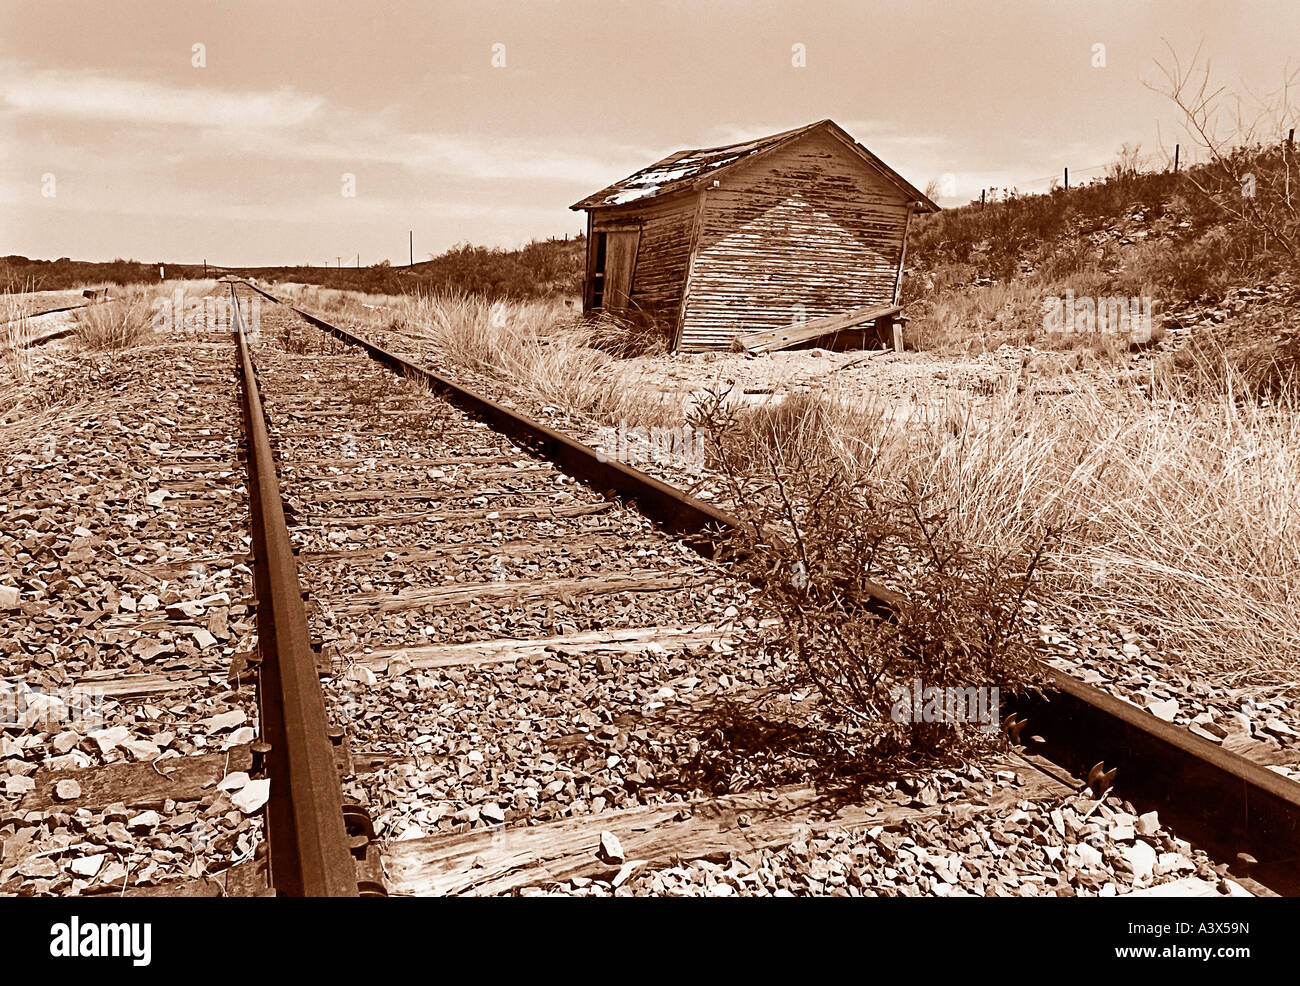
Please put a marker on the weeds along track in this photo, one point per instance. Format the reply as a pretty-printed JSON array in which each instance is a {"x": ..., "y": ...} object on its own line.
[{"x": 483, "y": 595}]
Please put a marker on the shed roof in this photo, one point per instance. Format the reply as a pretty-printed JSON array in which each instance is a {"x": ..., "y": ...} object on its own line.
[{"x": 691, "y": 168}]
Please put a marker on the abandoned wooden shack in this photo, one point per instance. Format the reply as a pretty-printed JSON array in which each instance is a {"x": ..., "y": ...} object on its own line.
[{"x": 765, "y": 244}]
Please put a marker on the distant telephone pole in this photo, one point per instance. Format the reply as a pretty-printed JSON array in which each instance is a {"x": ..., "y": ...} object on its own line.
[
  {"x": 411, "y": 233},
  {"x": 1067, "y": 179},
  {"x": 1176, "y": 159}
]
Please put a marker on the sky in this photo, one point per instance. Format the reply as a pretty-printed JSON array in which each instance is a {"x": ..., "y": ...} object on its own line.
[{"x": 482, "y": 121}]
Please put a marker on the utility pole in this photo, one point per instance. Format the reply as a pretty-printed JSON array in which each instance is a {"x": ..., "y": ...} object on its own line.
[
  {"x": 982, "y": 199},
  {"x": 412, "y": 244},
  {"x": 1067, "y": 179},
  {"x": 1176, "y": 149}
]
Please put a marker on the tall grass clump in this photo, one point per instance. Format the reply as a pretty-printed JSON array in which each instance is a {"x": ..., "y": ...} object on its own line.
[
  {"x": 16, "y": 340},
  {"x": 1175, "y": 515},
  {"x": 119, "y": 323},
  {"x": 540, "y": 348}
]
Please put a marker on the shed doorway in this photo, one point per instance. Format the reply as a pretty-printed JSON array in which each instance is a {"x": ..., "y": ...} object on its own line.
[{"x": 613, "y": 262}]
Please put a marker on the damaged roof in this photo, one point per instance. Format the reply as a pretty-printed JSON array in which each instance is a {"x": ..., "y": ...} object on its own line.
[{"x": 690, "y": 168}]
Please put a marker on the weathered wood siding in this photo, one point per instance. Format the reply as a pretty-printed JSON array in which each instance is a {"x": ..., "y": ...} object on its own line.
[
  {"x": 662, "y": 253},
  {"x": 806, "y": 231}
]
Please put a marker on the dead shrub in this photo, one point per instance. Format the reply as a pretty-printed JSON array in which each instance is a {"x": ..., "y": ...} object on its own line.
[{"x": 821, "y": 535}]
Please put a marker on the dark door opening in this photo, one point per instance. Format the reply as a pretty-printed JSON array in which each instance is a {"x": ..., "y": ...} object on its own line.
[
  {"x": 598, "y": 274},
  {"x": 612, "y": 267}
]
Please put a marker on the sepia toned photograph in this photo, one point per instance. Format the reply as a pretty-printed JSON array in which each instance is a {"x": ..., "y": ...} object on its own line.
[{"x": 581, "y": 448}]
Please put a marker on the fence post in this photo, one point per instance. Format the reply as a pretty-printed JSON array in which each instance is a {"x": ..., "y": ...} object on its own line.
[
  {"x": 982, "y": 198},
  {"x": 1175, "y": 159},
  {"x": 1067, "y": 179}
]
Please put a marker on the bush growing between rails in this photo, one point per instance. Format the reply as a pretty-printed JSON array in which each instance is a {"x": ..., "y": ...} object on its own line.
[{"x": 820, "y": 535}]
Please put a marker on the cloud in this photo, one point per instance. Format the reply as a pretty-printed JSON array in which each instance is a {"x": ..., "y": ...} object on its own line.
[
  {"x": 93, "y": 96},
  {"x": 289, "y": 125},
  {"x": 352, "y": 143}
]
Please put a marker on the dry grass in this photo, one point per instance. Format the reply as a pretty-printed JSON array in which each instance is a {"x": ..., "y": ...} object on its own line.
[
  {"x": 542, "y": 348},
  {"x": 16, "y": 340},
  {"x": 120, "y": 323},
  {"x": 135, "y": 314},
  {"x": 956, "y": 318},
  {"x": 1180, "y": 516}
]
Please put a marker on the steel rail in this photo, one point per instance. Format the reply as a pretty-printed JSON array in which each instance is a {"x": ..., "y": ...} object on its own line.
[
  {"x": 1218, "y": 798},
  {"x": 309, "y": 852}
]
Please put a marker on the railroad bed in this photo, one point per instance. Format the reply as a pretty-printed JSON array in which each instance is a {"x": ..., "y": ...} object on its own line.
[
  {"x": 125, "y": 538},
  {"x": 530, "y": 687}
]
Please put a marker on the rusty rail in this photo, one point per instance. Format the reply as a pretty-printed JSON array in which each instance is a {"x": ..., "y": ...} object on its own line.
[
  {"x": 309, "y": 850},
  {"x": 1218, "y": 798}
]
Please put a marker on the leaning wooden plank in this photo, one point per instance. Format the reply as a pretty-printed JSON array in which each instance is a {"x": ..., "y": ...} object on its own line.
[
  {"x": 454, "y": 476},
  {"x": 431, "y": 495},
  {"x": 140, "y": 685},
  {"x": 298, "y": 466},
  {"x": 246, "y": 879},
  {"x": 790, "y": 335},
  {"x": 592, "y": 539},
  {"x": 497, "y": 861}
]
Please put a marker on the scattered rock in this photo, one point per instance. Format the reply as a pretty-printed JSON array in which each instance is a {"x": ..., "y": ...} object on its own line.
[
  {"x": 236, "y": 781},
  {"x": 611, "y": 850},
  {"x": 146, "y": 821},
  {"x": 225, "y": 720},
  {"x": 1141, "y": 860},
  {"x": 252, "y": 796},
  {"x": 88, "y": 866},
  {"x": 1166, "y": 711}
]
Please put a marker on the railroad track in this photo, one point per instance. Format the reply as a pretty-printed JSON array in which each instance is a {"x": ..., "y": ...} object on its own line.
[
  {"x": 414, "y": 522},
  {"x": 1218, "y": 798},
  {"x": 470, "y": 649}
]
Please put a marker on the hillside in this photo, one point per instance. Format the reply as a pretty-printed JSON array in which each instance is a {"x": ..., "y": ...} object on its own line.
[{"x": 1200, "y": 249}]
